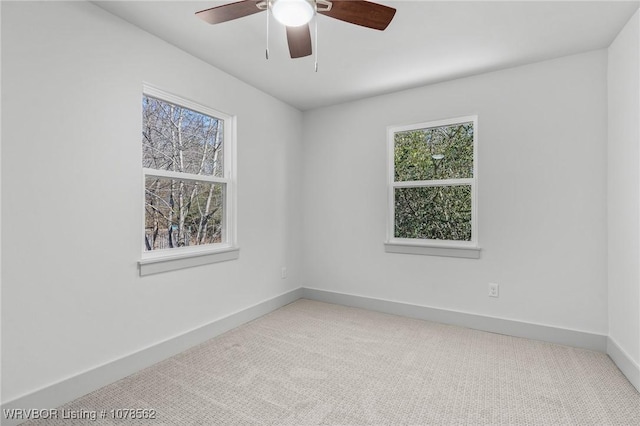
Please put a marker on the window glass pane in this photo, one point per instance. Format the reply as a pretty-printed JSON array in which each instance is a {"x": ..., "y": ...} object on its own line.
[
  {"x": 434, "y": 213},
  {"x": 434, "y": 153},
  {"x": 181, "y": 140},
  {"x": 181, "y": 213}
]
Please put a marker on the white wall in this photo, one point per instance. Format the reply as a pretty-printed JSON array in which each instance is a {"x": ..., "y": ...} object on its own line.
[
  {"x": 542, "y": 196},
  {"x": 624, "y": 189},
  {"x": 71, "y": 186}
]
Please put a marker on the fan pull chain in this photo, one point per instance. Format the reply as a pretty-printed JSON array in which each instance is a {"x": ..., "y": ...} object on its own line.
[
  {"x": 316, "y": 35},
  {"x": 266, "y": 52}
]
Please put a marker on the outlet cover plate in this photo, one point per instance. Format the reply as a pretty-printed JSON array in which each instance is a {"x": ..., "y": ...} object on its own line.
[{"x": 494, "y": 290}]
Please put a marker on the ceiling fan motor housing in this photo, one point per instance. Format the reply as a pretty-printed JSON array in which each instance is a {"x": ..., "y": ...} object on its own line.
[{"x": 319, "y": 5}]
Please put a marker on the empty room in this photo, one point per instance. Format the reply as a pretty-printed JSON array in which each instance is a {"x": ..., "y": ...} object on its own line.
[{"x": 313, "y": 212}]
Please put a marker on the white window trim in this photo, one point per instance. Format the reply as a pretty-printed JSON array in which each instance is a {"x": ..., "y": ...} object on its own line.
[
  {"x": 153, "y": 262},
  {"x": 449, "y": 248}
]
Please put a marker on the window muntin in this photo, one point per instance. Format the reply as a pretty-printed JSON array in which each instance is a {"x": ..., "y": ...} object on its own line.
[
  {"x": 187, "y": 173},
  {"x": 432, "y": 180}
]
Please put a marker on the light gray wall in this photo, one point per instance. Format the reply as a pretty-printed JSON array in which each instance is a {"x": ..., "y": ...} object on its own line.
[
  {"x": 542, "y": 196},
  {"x": 72, "y": 299},
  {"x": 624, "y": 189}
]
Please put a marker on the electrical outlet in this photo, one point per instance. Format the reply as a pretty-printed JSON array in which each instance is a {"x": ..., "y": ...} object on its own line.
[
  {"x": 493, "y": 290},
  {"x": 283, "y": 273}
]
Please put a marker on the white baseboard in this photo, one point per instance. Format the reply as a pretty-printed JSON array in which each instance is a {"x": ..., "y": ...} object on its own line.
[
  {"x": 74, "y": 387},
  {"x": 628, "y": 366},
  {"x": 575, "y": 338}
]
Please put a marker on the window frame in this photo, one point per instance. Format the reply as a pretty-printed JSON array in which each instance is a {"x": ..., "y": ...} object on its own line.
[
  {"x": 453, "y": 248},
  {"x": 156, "y": 261}
]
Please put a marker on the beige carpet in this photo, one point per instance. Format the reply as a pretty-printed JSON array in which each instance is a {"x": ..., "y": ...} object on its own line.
[{"x": 315, "y": 363}]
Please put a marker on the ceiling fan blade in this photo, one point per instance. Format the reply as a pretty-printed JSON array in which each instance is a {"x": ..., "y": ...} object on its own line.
[
  {"x": 363, "y": 13},
  {"x": 228, "y": 12},
  {"x": 299, "y": 39}
]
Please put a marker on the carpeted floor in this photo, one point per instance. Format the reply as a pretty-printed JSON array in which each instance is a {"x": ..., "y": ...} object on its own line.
[{"x": 315, "y": 363}]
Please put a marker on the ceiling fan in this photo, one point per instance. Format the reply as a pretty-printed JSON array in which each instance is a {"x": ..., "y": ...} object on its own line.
[{"x": 296, "y": 15}]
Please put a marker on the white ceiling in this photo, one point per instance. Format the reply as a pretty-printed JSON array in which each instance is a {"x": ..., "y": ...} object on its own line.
[{"x": 427, "y": 42}]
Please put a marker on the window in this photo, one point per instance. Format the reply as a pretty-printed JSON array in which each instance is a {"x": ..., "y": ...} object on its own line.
[
  {"x": 432, "y": 188},
  {"x": 188, "y": 174}
]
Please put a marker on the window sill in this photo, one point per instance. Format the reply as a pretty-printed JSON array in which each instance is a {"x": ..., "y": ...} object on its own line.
[
  {"x": 433, "y": 250},
  {"x": 171, "y": 262}
]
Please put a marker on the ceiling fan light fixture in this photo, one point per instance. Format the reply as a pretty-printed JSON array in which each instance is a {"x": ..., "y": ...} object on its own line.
[{"x": 292, "y": 13}]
